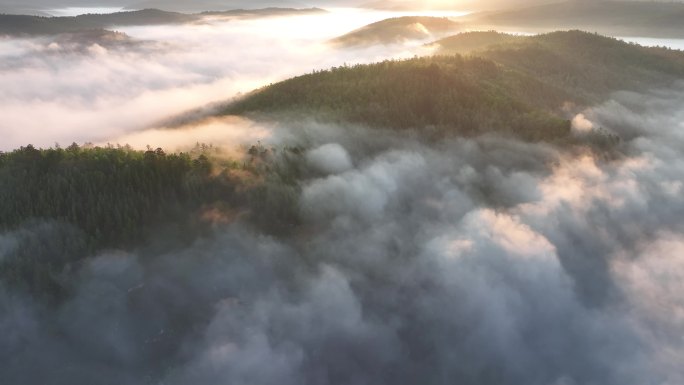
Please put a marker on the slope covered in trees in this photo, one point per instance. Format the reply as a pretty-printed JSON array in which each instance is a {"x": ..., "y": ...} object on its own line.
[
  {"x": 450, "y": 95},
  {"x": 517, "y": 86}
]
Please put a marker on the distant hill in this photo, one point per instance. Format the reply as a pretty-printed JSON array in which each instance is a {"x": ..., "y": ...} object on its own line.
[
  {"x": 617, "y": 18},
  {"x": 38, "y": 25},
  {"x": 196, "y": 6},
  {"x": 396, "y": 30},
  {"x": 263, "y": 12},
  {"x": 518, "y": 87}
]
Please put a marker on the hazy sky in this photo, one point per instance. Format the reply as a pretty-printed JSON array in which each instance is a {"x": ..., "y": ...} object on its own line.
[{"x": 200, "y": 5}]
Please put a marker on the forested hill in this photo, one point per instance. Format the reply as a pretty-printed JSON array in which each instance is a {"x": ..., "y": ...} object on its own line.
[
  {"x": 448, "y": 94},
  {"x": 396, "y": 30},
  {"x": 517, "y": 87}
]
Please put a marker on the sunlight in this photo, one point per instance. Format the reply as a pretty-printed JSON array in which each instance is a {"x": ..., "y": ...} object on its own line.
[{"x": 75, "y": 11}]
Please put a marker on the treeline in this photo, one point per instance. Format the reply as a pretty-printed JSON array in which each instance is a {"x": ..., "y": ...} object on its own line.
[
  {"x": 61, "y": 205},
  {"x": 444, "y": 94}
]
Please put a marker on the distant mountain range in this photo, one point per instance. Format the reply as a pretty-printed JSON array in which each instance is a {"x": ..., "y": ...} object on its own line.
[{"x": 38, "y": 25}]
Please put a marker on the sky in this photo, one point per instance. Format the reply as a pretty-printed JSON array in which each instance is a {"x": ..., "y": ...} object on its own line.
[{"x": 15, "y": 6}]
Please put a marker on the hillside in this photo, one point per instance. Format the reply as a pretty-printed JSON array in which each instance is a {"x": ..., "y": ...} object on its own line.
[
  {"x": 517, "y": 88},
  {"x": 450, "y": 94},
  {"x": 396, "y": 30},
  {"x": 617, "y": 18}
]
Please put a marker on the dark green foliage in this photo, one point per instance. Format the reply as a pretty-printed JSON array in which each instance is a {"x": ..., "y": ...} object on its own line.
[
  {"x": 453, "y": 95},
  {"x": 110, "y": 193},
  {"x": 274, "y": 201},
  {"x": 39, "y": 257}
]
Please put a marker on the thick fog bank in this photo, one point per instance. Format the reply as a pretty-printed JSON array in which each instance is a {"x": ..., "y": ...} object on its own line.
[{"x": 482, "y": 261}]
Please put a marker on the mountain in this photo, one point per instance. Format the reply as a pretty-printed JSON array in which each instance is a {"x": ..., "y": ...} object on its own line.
[
  {"x": 196, "y": 6},
  {"x": 617, "y": 18},
  {"x": 37, "y": 25},
  {"x": 397, "y": 30},
  {"x": 519, "y": 86}
]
